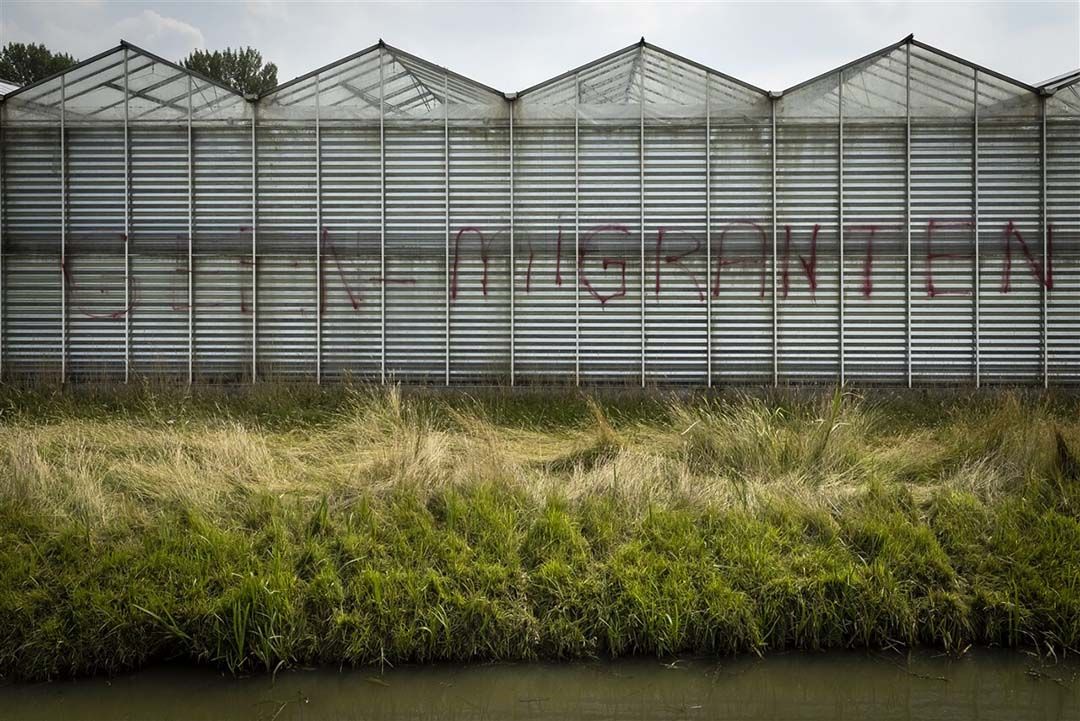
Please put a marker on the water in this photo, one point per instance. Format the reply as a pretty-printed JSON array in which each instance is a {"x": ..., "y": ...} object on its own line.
[{"x": 982, "y": 685}]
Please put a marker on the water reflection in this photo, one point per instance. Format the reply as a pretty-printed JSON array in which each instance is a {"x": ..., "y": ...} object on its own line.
[{"x": 982, "y": 685}]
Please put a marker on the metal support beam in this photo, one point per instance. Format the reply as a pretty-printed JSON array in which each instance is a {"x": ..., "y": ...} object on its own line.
[
  {"x": 907, "y": 213},
  {"x": 708, "y": 238},
  {"x": 127, "y": 223},
  {"x": 382, "y": 217},
  {"x": 3, "y": 227},
  {"x": 318, "y": 238},
  {"x": 513, "y": 268},
  {"x": 446, "y": 218},
  {"x": 63, "y": 232},
  {"x": 641, "y": 197},
  {"x": 1046, "y": 260},
  {"x": 840, "y": 215},
  {"x": 190, "y": 240},
  {"x": 975, "y": 213},
  {"x": 775, "y": 307},
  {"x": 577, "y": 234},
  {"x": 254, "y": 244}
]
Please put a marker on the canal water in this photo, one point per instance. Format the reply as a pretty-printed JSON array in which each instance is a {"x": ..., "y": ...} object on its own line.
[{"x": 984, "y": 685}]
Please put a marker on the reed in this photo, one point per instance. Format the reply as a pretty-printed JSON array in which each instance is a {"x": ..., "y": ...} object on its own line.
[{"x": 280, "y": 526}]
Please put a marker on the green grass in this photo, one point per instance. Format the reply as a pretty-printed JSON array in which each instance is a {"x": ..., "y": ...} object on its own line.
[{"x": 278, "y": 526}]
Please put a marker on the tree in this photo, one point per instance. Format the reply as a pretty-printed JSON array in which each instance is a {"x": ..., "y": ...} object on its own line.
[
  {"x": 242, "y": 69},
  {"x": 23, "y": 63}
]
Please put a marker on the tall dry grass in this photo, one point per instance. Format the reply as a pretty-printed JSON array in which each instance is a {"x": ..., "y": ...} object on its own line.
[
  {"x": 287, "y": 525},
  {"x": 156, "y": 451}
]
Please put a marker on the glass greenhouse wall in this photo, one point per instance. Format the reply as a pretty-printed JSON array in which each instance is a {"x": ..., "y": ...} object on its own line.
[{"x": 909, "y": 218}]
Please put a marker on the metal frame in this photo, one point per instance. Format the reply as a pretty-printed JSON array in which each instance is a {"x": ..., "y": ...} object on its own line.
[
  {"x": 907, "y": 215},
  {"x": 446, "y": 209},
  {"x": 254, "y": 245},
  {"x": 191, "y": 241},
  {"x": 577, "y": 231},
  {"x": 1044, "y": 217},
  {"x": 840, "y": 214},
  {"x": 976, "y": 268},
  {"x": 513, "y": 267},
  {"x": 382, "y": 216},
  {"x": 3, "y": 238},
  {"x": 127, "y": 225},
  {"x": 63, "y": 232},
  {"x": 708, "y": 237},
  {"x": 775, "y": 269},
  {"x": 641, "y": 199},
  {"x": 318, "y": 238}
]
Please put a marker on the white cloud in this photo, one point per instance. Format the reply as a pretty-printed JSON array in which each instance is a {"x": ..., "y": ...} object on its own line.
[{"x": 164, "y": 35}]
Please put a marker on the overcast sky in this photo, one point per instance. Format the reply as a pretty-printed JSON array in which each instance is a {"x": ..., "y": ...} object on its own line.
[{"x": 511, "y": 46}]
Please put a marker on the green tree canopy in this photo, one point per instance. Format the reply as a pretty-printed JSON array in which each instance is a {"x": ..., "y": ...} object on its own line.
[
  {"x": 25, "y": 63},
  {"x": 242, "y": 69}
]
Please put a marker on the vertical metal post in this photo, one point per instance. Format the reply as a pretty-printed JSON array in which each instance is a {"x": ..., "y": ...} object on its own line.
[
  {"x": 190, "y": 238},
  {"x": 775, "y": 308},
  {"x": 446, "y": 210},
  {"x": 1045, "y": 254},
  {"x": 577, "y": 235},
  {"x": 254, "y": 244},
  {"x": 3, "y": 276},
  {"x": 318, "y": 237},
  {"x": 127, "y": 223},
  {"x": 382, "y": 218},
  {"x": 975, "y": 208},
  {"x": 512, "y": 267},
  {"x": 907, "y": 213},
  {"x": 641, "y": 196},
  {"x": 63, "y": 231},
  {"x": 840, "y": 213},
  {"x": 708, "y": 237}
]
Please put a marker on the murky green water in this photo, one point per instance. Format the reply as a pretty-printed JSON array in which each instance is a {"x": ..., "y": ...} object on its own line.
[{"x": 982, "y": 685}]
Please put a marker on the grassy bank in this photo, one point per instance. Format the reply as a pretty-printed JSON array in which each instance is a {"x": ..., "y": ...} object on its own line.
[{"x": 277, "y": 527}]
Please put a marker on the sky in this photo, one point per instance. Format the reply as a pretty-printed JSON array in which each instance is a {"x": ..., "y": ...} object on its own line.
[{"x": 511, "y": 46}]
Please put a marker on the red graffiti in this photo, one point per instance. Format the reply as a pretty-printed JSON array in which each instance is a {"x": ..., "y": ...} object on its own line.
[
  {"x": 607, "y": 262},
  {"x": 558, "y": 258},
  {"x": 71, "y": 288},
  {"x": 931, "y": 289},
  {"x": 457, "y": 258},
  {"x": 1045, "y": 279},
  {"x": 722, "y": 262},
  {"x": 329, "y": 249},
  {"x": 528, "y": 271},
  {"x": 677, "y": 260},
  {"x": 868, "y": 259},
  {"x": 809, "y": 266}
]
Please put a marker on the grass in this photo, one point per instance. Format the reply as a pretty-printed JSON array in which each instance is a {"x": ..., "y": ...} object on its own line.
[{"x": 283, "y": 526}]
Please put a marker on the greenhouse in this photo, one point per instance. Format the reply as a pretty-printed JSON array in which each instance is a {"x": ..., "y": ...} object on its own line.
[{"x": 908, "y": 218}]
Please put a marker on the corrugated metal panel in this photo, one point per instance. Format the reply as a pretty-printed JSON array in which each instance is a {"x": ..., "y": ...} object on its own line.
[
  {"x": 223, "y": 263},
  {"x": 1010, "y": 251},
  {"x": 416, "y": 238},
  {"x": 288, "y": 240},
  {"x": 610, "y": 248},
  {"x": 32, "y": 272},
  {"x": 677, "y": 284},
  {"x": 807, "y": 169},
  {"x": 350, "y": 251},
  {"x": 159, "y": 239},
  {"x": 875, "y": 310},
  {"x": 741, "y": 274},
  {"x": 544, "y": 223},
  {"x": 1063, "y": 210},
  {"x": 942, "y": 277},
  {"x": 479, "y": 253},
  {"x": 94, "y": 273}
]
